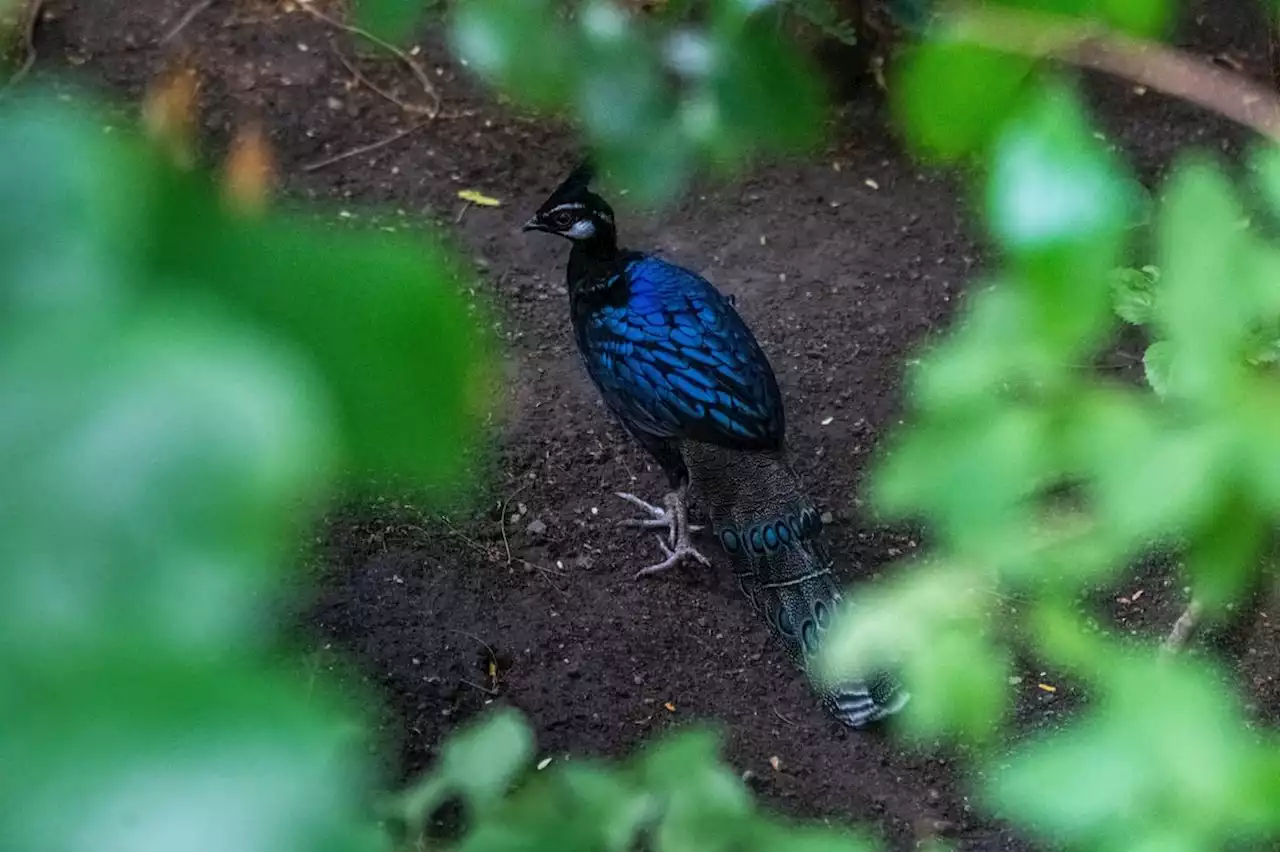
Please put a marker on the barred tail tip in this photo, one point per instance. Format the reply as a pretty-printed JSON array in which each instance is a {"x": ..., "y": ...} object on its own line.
[{"x": 859, "y": 706}]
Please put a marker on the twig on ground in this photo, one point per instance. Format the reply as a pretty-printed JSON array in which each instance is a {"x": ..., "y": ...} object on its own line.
[
  {"x": 486, "y": 690},
  {"x": 1182, "y": 628},
  {"x": 1091, "y": 46},
  {"x": 191, "y": 14},
  {"x": 778, "y": 713},
  {"x": 492, "y": 654},
  {"x": 413, "y": 65},
  {"x": 365, "y": 149},
  {"x": 416, "y": 109},
  {"x": 503, "y": 524},
  {"x": 34, "y": 9}
]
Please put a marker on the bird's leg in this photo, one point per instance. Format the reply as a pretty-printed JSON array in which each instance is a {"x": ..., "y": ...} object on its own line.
[{"x": 675, "y": 519}]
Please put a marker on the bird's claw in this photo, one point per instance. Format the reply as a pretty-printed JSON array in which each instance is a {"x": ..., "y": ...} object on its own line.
[
  {"x": 682, "y": 553},
  {"x": 662, "y": 518}
]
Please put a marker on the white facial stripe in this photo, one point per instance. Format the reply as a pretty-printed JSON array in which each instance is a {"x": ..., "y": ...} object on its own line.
[{"x": 570, "y": 205}]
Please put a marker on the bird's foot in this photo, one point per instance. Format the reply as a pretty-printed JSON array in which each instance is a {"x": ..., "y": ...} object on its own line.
[
  {"x": 668, "y": 519},
  {"x": 675, "y": 519},
  {"x": 683, "y": 552}
]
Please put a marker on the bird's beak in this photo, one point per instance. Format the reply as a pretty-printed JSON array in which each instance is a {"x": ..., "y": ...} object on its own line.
[{"x": 532, "y": 225}]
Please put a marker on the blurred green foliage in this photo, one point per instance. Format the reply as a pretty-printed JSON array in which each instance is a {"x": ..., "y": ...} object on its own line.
[
  {"x": 180, "y": 386},
  {"x": 652, "y": 100}
]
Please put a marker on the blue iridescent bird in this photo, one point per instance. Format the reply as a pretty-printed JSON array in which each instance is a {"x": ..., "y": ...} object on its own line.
[{"x": 681, "y": 371}]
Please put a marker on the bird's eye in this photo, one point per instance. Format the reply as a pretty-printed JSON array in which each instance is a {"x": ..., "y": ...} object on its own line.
[{"x": 562, "y": 219}]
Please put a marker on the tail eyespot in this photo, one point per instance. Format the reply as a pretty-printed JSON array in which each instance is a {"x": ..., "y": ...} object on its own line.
[
  {"x": 784, "y": 623},
  {"x": 822, "y": 615},
  {"x": 731, "y": 540},
  {"x": 809, "y": 637},
  {"x": 784, "y": 532}
]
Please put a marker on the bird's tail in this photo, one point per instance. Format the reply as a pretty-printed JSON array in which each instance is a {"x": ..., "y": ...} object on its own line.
[{"x": 772, "y": 533}]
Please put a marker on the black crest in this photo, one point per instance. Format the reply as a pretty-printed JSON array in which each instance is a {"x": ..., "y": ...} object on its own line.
[{"x": 575, "y": 186}]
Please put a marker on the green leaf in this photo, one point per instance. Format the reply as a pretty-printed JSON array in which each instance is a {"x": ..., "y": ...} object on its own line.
[
  {"x": 1224, "y": 554},
  {"x": 1133, "y": 292},
  {"x": 704, "y": 805},
  {"x": 181, "y": 450},
  {"x": 157, "y": 753},
  {"x": 1201, "y": 245},
  {"x": 71, "y": 215},
  {"x": 1164, "y": 754},
  {"x": 1057, "y": 203},
  {"x": 381, "y": 316},
  {"x": 519, "y": 46},
  {"x": 391, "y": 20},
  {"x": 765, "y": 94},
  {"x": 481, "y": 761},
  {"x": 1143, "y": 18},
  {"x": 1157, "y": 365},
  {"x": 952, "y": 97},
  {"x": 1149, "y": 479},
  {"x": 930, "y": 626}
]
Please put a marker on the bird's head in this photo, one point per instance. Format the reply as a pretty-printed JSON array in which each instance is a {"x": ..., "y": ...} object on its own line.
[{"x": 574, "y": 212}]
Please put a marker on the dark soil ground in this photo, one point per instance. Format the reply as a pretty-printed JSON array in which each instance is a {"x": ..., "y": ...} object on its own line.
[{"x": 841, "y": 280}]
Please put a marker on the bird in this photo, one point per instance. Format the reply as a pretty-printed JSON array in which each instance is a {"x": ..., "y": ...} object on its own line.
[{"x": 680, "y": 370}]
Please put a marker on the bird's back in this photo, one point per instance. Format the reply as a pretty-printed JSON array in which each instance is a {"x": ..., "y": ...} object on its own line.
[{"x": 672, "y": 357}]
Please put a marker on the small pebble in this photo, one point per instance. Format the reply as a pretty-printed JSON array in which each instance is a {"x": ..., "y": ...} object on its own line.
[{"x": 536, "y": 527}]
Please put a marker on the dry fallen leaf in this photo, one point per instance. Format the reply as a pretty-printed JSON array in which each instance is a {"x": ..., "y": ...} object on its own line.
[
  {"x": 169, "y": 112},
  {"x": 250, "y": 170},
  {"x": 478, "y": 198}
]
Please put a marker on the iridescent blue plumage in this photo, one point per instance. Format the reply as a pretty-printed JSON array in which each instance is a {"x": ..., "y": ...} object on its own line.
[
  {"x": 682, "y": 372},
  {"x": 674, "y": 361}
]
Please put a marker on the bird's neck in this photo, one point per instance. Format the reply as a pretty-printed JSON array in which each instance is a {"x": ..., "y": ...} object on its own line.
[{"x": 593, "y": 258}]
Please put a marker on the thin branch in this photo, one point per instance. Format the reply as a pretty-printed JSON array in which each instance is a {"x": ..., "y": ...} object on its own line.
[
  {"x": 29, "y": 45},
  {"x": 186, "y": 19},
  {"x": 1092, "y": 46},
  {"x": 365, "y": 149},
  {"x": 418, "y": 71},
  {"x": 1182, "y": 628}
]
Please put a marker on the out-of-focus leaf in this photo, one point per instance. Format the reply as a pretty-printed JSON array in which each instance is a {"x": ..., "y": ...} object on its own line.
[
  {"x": 71, "y": 216},
  {"x": 155, "y": 754},
  {"x": 929, "y": 626},
  {"x": 702, "y": 804},
  {"x": 971, "y": 475},
  {"x": 1225, "y": 552},
  {"x": 1058, "y": 205},
  {"x": 1157, "y": 365},
  {"x": 952, "y": 96},
  {"x": 522, "y": 47},
  {"x": 390, "y": 20},
  {"x": 766, "y": 94},
  {"x": 180, "y": 450},
  {"x": 1146, "y": 18},
  {"x": 481, "y": 761},
  {"x": 381, "y": 316},
  {"x": 1149, "y": 480},
  {"x": 1201, "y": 245},
  {"x": 1165, "y": 754}
]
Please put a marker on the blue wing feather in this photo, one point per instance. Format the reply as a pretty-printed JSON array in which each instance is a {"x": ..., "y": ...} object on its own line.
[{"x": 675, "y": 361}]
